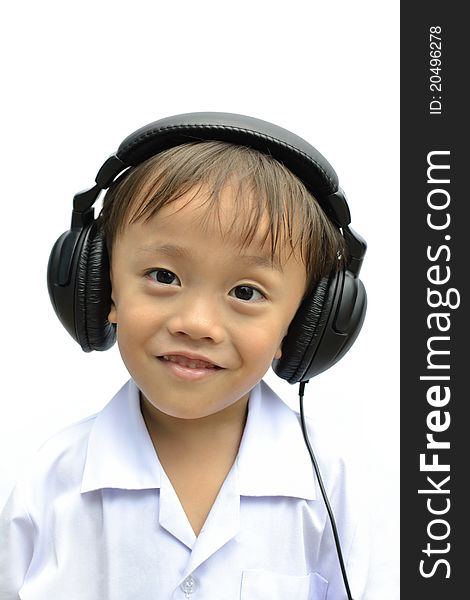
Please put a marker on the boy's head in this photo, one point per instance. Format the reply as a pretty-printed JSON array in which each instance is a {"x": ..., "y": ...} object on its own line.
[
  {"x": 270, "y": 214},
  {"x": 212, "y": 247}
]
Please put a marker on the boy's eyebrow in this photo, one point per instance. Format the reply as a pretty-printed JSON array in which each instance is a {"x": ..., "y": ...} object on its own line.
[{"x": 181, "y": 252}]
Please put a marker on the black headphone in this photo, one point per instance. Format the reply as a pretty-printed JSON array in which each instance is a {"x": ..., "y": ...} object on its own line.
[{"x": 330, "y": 316}]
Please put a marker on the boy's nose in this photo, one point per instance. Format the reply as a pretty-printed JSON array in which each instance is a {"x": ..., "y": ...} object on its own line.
[{"x": 198, "y": 318}]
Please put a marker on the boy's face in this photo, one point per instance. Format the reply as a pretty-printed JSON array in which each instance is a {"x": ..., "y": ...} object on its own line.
[{"x": 183, "y": 289}]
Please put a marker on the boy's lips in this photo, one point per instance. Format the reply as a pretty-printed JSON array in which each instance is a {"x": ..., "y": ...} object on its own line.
[
  {"x": 188, "y": 368},
  {"x": 190, "y": 360}
]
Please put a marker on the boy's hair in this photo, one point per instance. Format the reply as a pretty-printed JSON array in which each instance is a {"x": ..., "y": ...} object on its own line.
[{"x": 260, "y": 184}]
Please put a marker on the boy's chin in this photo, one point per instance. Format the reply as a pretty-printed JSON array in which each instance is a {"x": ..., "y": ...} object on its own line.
[{"x": 191, "y": 408}]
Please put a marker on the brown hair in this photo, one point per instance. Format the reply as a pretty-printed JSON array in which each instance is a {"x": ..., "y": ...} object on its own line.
[{"x": 261, "y": 185}]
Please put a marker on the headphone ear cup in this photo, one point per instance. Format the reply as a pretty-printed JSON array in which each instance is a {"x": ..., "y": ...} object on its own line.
[
  {"x": 324, "y": 327},
  {"x": 302, "y": 335},
  {"x": 93, "y": 294}
]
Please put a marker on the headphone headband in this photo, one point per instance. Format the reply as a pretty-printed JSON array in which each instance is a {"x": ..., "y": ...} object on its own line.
[{"x": 295, "y": 153}]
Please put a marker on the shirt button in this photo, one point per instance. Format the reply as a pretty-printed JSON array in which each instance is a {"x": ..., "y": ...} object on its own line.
[{"x": 189, "y": 585}]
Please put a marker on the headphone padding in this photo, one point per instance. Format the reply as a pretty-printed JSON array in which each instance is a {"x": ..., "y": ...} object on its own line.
[
  {"x": 93, "y": 294},
  {"x": 304, "y": 328}
]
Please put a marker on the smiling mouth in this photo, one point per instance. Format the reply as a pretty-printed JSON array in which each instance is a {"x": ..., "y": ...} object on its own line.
[{"x": 188, "y": 363}]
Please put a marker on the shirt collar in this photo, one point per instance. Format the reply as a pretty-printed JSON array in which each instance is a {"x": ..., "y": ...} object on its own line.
[
  {"x": 120, "y": 453},
  {"x": 272, "y": 459}
]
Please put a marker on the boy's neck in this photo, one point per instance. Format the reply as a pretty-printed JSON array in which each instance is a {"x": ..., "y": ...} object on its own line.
[{"x": 219, "y": 432}]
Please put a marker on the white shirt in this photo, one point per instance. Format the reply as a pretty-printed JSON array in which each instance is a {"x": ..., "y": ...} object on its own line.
[{"x": 96, "y": 517}]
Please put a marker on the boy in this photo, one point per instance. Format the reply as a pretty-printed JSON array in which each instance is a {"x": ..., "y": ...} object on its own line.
[{"x": 193, "y": 481}]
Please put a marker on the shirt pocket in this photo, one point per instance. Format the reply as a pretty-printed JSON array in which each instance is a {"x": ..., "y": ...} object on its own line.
[{"x": 260, "y": 585}]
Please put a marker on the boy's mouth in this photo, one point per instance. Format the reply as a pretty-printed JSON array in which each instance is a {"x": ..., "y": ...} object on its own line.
[{"x": 189, "y": 363}]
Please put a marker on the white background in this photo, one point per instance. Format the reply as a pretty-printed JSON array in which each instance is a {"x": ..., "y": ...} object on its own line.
[{"x": 78, "y": 78}]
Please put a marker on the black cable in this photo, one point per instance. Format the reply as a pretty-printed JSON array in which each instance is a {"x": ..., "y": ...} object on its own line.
[{"x": 322, "y": 488}]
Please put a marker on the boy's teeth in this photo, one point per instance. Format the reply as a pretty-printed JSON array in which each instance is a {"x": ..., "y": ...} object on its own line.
[{"x": 186, "y": 362}]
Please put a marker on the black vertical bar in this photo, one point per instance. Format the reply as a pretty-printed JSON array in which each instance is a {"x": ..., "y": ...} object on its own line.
[{"x": 435, "y": 355}]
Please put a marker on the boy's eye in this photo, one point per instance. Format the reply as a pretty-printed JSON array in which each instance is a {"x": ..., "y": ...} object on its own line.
[
  {"x": 247, "y": 293},
  {"x": 162, "y": 276}
]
